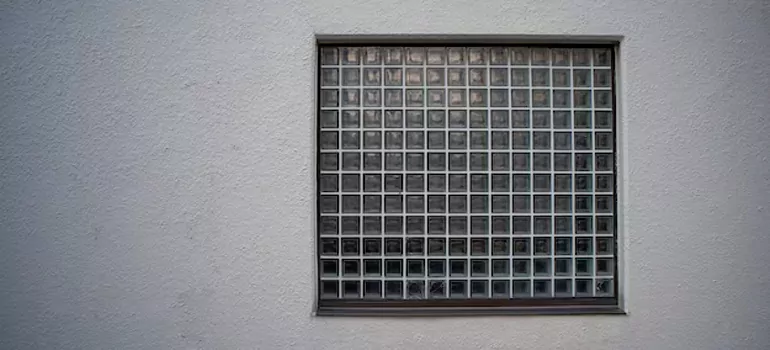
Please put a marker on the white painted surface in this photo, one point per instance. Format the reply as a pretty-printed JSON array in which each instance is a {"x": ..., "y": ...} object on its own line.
[{"x": 156, "y": 174}]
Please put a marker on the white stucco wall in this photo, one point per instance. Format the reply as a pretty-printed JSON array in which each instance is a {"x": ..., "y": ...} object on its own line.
[{"x": 157, "y": 165}]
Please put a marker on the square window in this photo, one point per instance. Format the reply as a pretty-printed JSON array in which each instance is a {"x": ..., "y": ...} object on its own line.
[{"x": 480, "y": 172}]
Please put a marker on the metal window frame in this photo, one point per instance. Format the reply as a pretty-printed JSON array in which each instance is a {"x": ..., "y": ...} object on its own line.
[{"x": 477, "y": 307}]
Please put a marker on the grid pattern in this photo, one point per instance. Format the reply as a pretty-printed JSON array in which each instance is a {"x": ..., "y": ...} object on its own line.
[{"x": 466, "y": 173}]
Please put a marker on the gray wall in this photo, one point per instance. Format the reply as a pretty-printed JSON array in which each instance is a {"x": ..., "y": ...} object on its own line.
[{"x": 157, "y": 165}]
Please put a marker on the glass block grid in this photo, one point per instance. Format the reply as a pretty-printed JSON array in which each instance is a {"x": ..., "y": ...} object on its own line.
[{"x": 466, "y": 173}]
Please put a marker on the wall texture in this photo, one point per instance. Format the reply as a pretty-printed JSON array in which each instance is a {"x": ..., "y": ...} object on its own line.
[{"x": 156, "y": 174}]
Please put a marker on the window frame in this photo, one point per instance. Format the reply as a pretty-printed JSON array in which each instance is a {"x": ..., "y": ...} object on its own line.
[{"x": 454, "y": 307}]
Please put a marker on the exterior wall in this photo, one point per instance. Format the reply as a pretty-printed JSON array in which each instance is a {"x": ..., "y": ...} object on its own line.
[{"x": 157, "y": 174}]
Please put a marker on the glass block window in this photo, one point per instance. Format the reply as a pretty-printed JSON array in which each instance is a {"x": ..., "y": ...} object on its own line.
[{"x": 466, "y": 176}]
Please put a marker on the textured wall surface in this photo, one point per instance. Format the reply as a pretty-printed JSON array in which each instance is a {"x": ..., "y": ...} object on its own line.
[{"x": 157, "y": 165}]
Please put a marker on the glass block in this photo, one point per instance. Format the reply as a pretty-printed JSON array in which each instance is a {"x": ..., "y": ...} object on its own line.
[
  {"x": 436, "y": 183},
  {"x": 329, "y": 289},
  {"x": 435, "y": 55},
  {"x": 541, "y": 140},
  {"x": 582, "y": 99},
  {"x": 581, "y": 77},
  {"x": 415, "y": 140},
  {"x": 350, "y": 55},
  {"x": 372, "y": 246},
  {"x": 521, "y": 267},
  {"x": 458, "y": 204},
  {"x": 540, "y": 56},
  {"x": 456, "y": 98},
  {"x": 583, "y": 161},
  {"x": 520, "y": 140},
  {"x": 435, "y": 76},
  {"x": 415, "y": 55},
  {"x": 498, "y": 77},
  {"x": 521, "y": 246},
  {"x": 541, "y": 288},
  {"x": 372, "y": 77},
  {"x": 605, "y": 245},
  {"x": 329, "y": 268},
  {"x": 479, "y": 182},
  {"x": 520, "y": 161},
  {"x": 371, "y": 55},
  {"x": 602, "y": 99},
  {"x": 583, "y": 183},
  {"x": 521, "y": 289},
  {"x": 457, "y": 246},
  {"x": 329, "y": 204},
  {"x": 436, "y": 204},
  {"x": 436, "y": 226},
  {"x": 329, "y": 139},
  {"x": 562, "y": 140},
  {"x": 604, "y": 267},
  {"x": 562, "y": 287},
  {"x": 415, "y": 182},
  {"x": 329, "y": 77},
  {"x": 415, "y": 161},
  {"x": 521, "y": 182},
  {"x": 436, "y": 119},
  {"x": 372, "y": 140},
  {"x": 479, "y": 246},
  {"x": 582, "y": 120},
  {"x": 562, "y": 120},
  {"x": 350, "y": 225},
  {"x": 581, "y": 57},
  {"x": 414, "y": 77},
  {"x": 436, "y": 140},
  {"x": 372, "y": 98},
  {"x": 456, "y": 77},
  {"x": 415, "y": 268},
  {"x": 497, "y": 98},
  {"x": 458, "y": 225},
  {"x": 583, "y": 246},
  {"x": 393, "y": 55},
  {"x": 329, "y": 182},
  {"x": 582, "y": 140},
  {"x": 562, "y": 98},
  {"x": 329, "y": 246},
  {"x": 394, "y": 140},
  {"x": 602, "y": 57},
  {"x": 436, "y": 289},
  {"x": 541, "y": 267},
  {"x": 563, "y": 204},
  {"x": 372, "y": 161},
  {"x": 457, "y": 140},
  {"x": 499, "y": 140},
  {"x": 519, "y": 98},
  {"x": 415, "y": 98},
  {"x": 542, "y": 224},
  {"x": 415, "y": 289},
  {"x": 604, "y": 225},
  {"x": 329, "y": 161},
  {"x": 604, "y": 183},
  {"x": 351, "y": 204},
  {"x": 329, "y": 225},
  {"x": 561, "y": 78},
  {"x": 458, "y": 268},
  {"x": 479, "y": 224},
  {"x": 372, "y": 289},
  {"x": 415, "y": 204},
  {"x": 603, "y": 141},
  {"x": 393, "y": 161},
  {"x": 458, "y": 183},
  {"x": 501, "y": 182},
  {"x": 521, "y": 204},
  {"x": 478, "y": 161},
  {"x": 583, "y": 287},
  {"x": 351, "y": 140},
  {"x": 351, "y": 97},
  {"x": 393, "y": 246},
  {"x": 519, "y": 55},
  {"x": 519, "y": 77},
  {"x": 394, "y": 225},
  {"x": 604, "y": 287},
  {"x": 603, "y": 119},
  {"x": 563, "y": 224},
  {"x": 562, "y": 183},
  {"x": 373, "y": 224},
  {"x": 479, "y": 268},
  {"x": 541, "y": 77},
  {"x": 499, "y": 119},
  {"x": 458, "y": 162},
  {"x": 583, "y": 267},
  {"x": 520, "y": 119},
  {"x": 351, "y": 183},
  {"x": 351, "y": 77},
  {"x": 563, "y": 246},
  {"x": 560, "y": 57},
  {"x": 501, "y": 204},
  {"x": 500, "y": 246},
  {"x": 329, "y": 98},
  {"x": 500, "y": 289},
  {"x": 458, "y": 289},
  {"x": 436, "y": 268},
  {"x": 329, "y": 56},
  {"x": 394, "y": 119},
  {"x": 477, "y": 55},
  {"x": 436, "y": 98},
  {"x": 562, "y": 161},
  {"x": 541, "y": 204},
  {"x": 394, "y": 289},
  {"x": 436, "y": 161},
  {"x": 372, "y": 119},
  {"x": 393, "y": 98},
  {"x": 349, "y": 246},
  {"x": 415, "y": 246},
  {"x": 372, "y": 204},
  {"x": 394, "y": 204}
]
